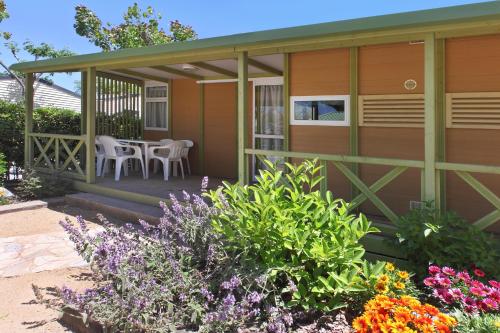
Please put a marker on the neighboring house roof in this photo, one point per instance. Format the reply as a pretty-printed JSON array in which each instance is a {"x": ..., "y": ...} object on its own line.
[
  {"x": 441, "y": 16},
  {"x": 46, "y": 94}
]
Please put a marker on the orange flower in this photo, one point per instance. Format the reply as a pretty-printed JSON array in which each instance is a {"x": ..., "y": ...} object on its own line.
[
  {"x": 381, "y": 287},
  {"x": 404, "y": 275},
  {"x": 399, "y": 285},
  {"x": 389, "y": 267}
]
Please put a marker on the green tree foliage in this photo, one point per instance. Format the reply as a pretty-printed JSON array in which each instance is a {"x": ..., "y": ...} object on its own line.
[{"x": 139, "y": 28}]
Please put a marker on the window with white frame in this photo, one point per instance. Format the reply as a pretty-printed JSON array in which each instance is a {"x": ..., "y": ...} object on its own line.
[
  {"x": 330, "y": 110},
  {"x": 156, "y": 106}
]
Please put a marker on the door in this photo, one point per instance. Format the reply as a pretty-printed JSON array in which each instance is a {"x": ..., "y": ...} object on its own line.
[{"x": 268, "y": 118}]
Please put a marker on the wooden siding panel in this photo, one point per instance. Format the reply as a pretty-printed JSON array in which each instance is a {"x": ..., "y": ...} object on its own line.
[
  {"x": 186, "y": 116},
  {"x": 383, "y": 69},
  {"x": 220, "y": 130},
  {"x": 316, "y": 73},
  {"x": 472, "y": 64}
]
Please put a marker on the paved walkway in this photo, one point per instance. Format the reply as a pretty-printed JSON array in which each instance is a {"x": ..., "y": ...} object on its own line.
[{"x": 35, "y": 253}]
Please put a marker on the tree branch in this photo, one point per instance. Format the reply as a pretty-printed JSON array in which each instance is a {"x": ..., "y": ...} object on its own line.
[{"x": 16, "y": 77}]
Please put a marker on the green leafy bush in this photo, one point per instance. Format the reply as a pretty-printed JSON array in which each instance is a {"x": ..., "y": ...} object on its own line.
[
  {"x": 3, "y": 168},
  {"x": 45, "y": 120},
  {"x": 310, "y": 243},
  {"x": 34, "y": 185},
  {"x": 445, "y": 239},
  {"x": 476, "y": 323}
]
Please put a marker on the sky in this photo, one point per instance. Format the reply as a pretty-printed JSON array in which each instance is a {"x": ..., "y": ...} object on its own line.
[{"x": 52, "y": 21}]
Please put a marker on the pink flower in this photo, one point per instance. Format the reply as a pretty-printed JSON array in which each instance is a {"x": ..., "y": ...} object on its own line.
[
  {"x": 429, "y": 281},
  {"x": 433, "y": 270},
  {"x": 479, "y": 272},
  {"x": 464, "y": 276},
  {"x": 448, "y": 271},
  {"x": 490, "y": 304},
  {"x": 494, "y": 284},
  {"x": 445, "y": 282},
  {"x": 477, "y": 291},
  {"x": 477, "y": 284},
  {"x": 456, "y": 293},
  {"x": 495, "y": 295}
]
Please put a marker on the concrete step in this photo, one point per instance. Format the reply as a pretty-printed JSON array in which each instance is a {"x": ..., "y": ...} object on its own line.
[{"x": 126, "y": 211}]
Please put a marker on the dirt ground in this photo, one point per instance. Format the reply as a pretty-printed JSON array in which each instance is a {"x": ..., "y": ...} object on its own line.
[{"x": 18, "y": 310}]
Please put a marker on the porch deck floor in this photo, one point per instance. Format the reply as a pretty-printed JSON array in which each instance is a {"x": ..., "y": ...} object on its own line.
[{"x": 155, "y": 186}]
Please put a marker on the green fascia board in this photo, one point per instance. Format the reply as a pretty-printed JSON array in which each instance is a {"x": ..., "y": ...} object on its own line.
[{"x": 446, "y": 15}]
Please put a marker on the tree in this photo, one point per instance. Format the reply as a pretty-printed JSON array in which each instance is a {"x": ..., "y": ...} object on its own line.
[
  {"x": 139, "y": 28},
  {"x": 37, "y": 51}
]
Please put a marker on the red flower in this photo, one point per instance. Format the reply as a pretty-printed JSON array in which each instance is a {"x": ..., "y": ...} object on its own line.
[
  {"x": 433, "y": 270},
  {"x": 479, "y": 272}
]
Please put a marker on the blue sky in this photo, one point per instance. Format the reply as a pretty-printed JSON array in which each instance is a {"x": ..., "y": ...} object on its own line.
[{"x": 51, "y": 21}]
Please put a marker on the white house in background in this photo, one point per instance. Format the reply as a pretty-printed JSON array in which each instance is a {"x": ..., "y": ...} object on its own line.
[{"x": 46, "y": 94}]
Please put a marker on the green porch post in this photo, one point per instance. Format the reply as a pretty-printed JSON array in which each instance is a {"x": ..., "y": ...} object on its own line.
[
  {"x": 242, "y": 116},
  {"x": 90, "y": 124},
  {"x": 430, "y": 138},
  {"x": 28, "y": 121},
  {"x": 201, "y": 145},
  {"x": 286, "y": 101},
  {"x": 441, "y": 122},
  {"x": 353, "y": 130}
]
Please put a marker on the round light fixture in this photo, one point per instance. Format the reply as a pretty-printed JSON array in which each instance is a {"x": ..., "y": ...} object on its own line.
[{"x": 410, "y": 84}]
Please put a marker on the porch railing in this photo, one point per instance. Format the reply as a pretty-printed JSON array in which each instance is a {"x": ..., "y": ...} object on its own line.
[
  {"x": 345, "y": 163},
  {"x": 58, "y": 154}
]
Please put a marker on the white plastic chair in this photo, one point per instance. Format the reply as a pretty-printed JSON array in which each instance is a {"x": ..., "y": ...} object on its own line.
[
  {"x": 166, "y": 154},
  {"x": 163, "y": 142},
  {"x": 185, "y": 153},
  {"x": 119, "y": 152},
  {"x": 99, "y": 154}
]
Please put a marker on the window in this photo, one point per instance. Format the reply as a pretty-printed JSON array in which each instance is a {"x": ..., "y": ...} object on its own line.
[
  {"x": 156, "y": 113},
  {"x": 320, "y": 110}
]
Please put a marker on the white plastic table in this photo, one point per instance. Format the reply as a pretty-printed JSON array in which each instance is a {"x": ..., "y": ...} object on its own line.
[{"x": 145, "y": 144}]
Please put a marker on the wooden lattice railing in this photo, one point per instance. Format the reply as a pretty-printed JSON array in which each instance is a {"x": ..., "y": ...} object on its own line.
[{"x": 59, "y": 154}]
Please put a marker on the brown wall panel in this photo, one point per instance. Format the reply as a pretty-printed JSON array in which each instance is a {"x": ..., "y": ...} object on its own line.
[
  {"x": 155, "y": 135},
  {"x": 399, "y": 143},
  {"x": 220, "y": 130},
  {"x": 383, "y": 69},
  {"x": 323, "y": 72},
  {"x": 186, "y": 117},
  {"x": 472, "y": 64}
]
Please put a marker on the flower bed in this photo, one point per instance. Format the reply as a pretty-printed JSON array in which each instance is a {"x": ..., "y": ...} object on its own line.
[{"x": 275, "y": 257}]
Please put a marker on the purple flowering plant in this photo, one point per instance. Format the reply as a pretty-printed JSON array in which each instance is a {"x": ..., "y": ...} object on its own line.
[{"x": 177, "y": 274}]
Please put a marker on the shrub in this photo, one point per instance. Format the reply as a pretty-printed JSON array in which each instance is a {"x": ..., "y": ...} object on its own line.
[
  {"x": 3, "y": 168},
  {"x": 445, "y": 239},
  {"x": 401, "y": 314},
  {"x": 45, "y": 120},
  {"x": 308, "y": 242},
  {"x": 171, "y": 276},
  {"x": 461, "y": 290},
  {"x": 476, "y": 323},
  {"x": 35, "y": 185}
]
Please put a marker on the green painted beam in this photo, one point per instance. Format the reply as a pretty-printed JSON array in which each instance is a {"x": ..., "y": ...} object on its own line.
[
  {"x": 90, "y": 133},
  {"x": 215, "y": 69},
  {"x": 441, "y": 120},
  {"x": 338, "y": 158},
  {"x": 264, "y": 67},
  {"x": 353, "y": 112},
  {"x": 480, "y": 188},
  {"x": 242, "y": 115},
  {"x": 430, "y": 174},
  {"x": 142, "y": 75},
  {"x": 286, "y": 101},
  {"x": 170, "y": 125},
  {"x": 28, "y": 119},
  {"x": 366, "y": 191},
  {"x": 117, "y": 77},
  {"x": 178, "y": 72},
  {"x": 468, "y": 167},
  {"x": 488, "y": 220}
]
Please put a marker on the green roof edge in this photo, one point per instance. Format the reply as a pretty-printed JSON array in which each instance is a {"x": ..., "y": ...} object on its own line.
[{"x": 444, "y": 15}]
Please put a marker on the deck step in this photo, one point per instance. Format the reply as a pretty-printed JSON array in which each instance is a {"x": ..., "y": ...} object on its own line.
[{"x": 127, "y": 211}]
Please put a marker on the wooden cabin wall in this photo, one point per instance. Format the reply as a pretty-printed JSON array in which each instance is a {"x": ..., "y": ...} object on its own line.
[
  {"x": 382, "y": 70},
  {"x": 317, "y": 73},
  {"x": 472, "y": 65}
]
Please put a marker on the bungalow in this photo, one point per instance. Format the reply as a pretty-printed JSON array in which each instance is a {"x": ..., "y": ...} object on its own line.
[{"x": 399, "y": 109}]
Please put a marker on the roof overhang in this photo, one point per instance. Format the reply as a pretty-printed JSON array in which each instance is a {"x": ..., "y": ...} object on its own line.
[{"x": 453, "y": 21}]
